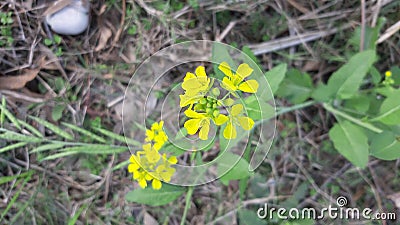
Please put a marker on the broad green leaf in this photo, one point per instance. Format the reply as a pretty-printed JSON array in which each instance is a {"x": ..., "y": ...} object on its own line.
[
  {"x": 296, "y": 87},
  {"x": 13, "y": 136},
  {"x": 57, "y": 111},
  {"x": 232, "y": 167},
  {"x": 257, "y": 108},
  {"x": 13, "y": 146},
  {"x": 346, "y": 81},
  {"x": 275, "y": 76},
  {"x": 385, "y": 146},
  {"x": 351, "y": 141},
  {"x": 149, "y": 196},
  {"x": 249, "y": 217},
  {"x": 395, "y": 74},
  {"x": 85, "y": 132},
  {"x": 390, "y": 111},
  {"x": 359, "y": 103},
  {"x": 321, "y": 93},
  {"x": 60, "y": 132}
]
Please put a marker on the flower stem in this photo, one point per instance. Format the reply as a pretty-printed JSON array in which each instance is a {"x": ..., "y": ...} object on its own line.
[
  {"x": 352, "y": 119},
  {"x": 187, "y": 204}
]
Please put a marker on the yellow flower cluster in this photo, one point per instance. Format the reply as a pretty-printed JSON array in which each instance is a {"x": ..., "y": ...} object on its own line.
[
  {"x": 388, "y": 78},
  {"x": 148, "y": 164},
  {"x": 204, "y": 107}
]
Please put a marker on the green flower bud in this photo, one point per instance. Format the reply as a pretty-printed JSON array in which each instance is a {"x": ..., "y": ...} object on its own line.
[
  {"x": 216, "y": 113},
  {"x": 216, "y": 92},
  {"x": 209, "y": 111},
  {"x": 203, "y": 101},
  {"x": 214, "y": 106}
]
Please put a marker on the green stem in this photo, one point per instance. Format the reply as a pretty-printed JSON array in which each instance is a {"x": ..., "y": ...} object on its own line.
[
  {"x": 350, "y": 118},
  {"x": 187, "y": 204},
  {"x": 295, "y": 107}
]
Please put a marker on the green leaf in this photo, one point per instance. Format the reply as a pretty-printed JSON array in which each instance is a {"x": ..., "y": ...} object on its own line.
[
  {"x": 10, "y": 116},
  {"x": 250, "y": 54},
  {"x": 249, "y": 217},
  {"x": 346, "y": 81},
  {"x": 230, "y": 171},
  {"x": 118, "y": 137},
  {"x": 385, "y": 146},
  {"x": 275, "y": 76},
  {"x": 46, "y": 147},
  {"x": 84, "y": 132},
  {"x": 60, "y": 132},
  {"x": 48, "y": 42},
  {"x": 13, "y": 136},
  {"x": 13, "y": 146},
  {"x": 257, "y": 108},
  {"x": 58, "y": 155},
  {"x": 321, "y": 93},
  {"x": 296, "y": 87},
  {"x": 57, "y": 111},
  {"x": 351, "y": 141},
  {"x": 360, "y": 103},
  {"x": 30, "y": 128},
  {"x": 149, "y": 196},
  {"x": 96, "y": 149},
  {"x": 389, "y": 111}
]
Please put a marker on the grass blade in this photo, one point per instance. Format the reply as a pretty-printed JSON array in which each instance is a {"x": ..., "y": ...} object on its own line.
[
  {"x": 31, "y": 128},
  {"x": 13, "y": 136},
  {"x": 60, "y": 132},
  {"x": 13, "y": 146},
  {"x": 10, "y": 116},
  {"x": 51, "y": 146},
  {"x": 96, "y": 149},
  {"x": 84, "y": 132},
  {"x": 118, "y": 137}
]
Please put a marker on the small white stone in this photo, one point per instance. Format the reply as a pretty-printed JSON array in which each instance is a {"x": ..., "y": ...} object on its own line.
[{"x": 71, "y": 20}]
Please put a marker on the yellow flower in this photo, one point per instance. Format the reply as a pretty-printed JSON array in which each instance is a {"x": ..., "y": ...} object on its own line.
[
  {"x": 234, "y": 81},
  {"x": 196, "y": 83},
  {"x": 157, "y": 135},
  {"x": 186, "y": 99},
  {"x": 235, "y": 118},
  {"x": 202, "y": 121},
  {"x": 388, "y": 74},
  {"x": 146, "y": 166}
]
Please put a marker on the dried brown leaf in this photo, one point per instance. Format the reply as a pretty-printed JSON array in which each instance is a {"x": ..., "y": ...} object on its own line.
[
  {"x": 19, "y": 81},
  {"x": 105, "y": 34}
]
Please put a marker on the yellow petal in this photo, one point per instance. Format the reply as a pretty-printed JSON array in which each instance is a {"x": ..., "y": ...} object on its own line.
[
  {"x": 201, "y": 71},
  {"x": 249, "y": 86},
  {"x": 173, "y": 160},
  {"x": 156, "y": 184},
  {"x": 142, "y": 183},
  {"x": 230, "y": 131},
  {"x": 236, "y": 109},
  {"x": 246, "y": 122},
  {"x": 228, "y": 85},
  {"x": 221, "y": 119},
  {"x": 188, "y": 76},
  {"x": 191, "y": 84},
  {"x": 203, "y": 134},
  {"x": 192, "y": 114},
  {"x": 132, "y": 167},
  {"x": 244, "y": 70},
  {"x": 192, "y": 125},
  {"x": 225, "y": 68}
]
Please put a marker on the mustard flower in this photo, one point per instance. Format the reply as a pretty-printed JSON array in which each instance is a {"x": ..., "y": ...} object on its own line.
[
  {"x": 195, "y": 86},
  {"x": 202, "y": 121},
  {"x": 235, "y": 118},
  {"x": 157, "y": 135},
  {"x": 234, "y": 81}
]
